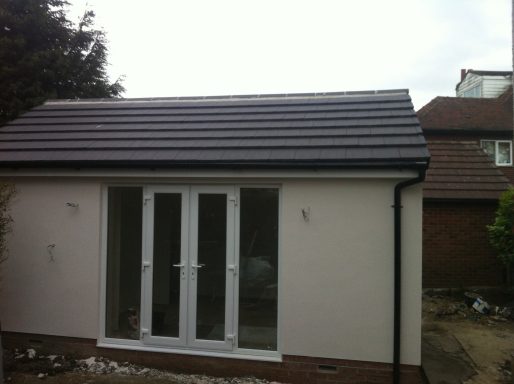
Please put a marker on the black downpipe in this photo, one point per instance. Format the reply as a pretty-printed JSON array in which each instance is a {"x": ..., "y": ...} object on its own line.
[{"x": 398, "y": 269}]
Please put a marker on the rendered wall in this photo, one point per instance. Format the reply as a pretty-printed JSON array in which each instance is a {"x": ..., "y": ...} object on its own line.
[
  {"x": 59, "y": 296},
  {"x": 335, "y": 287},
  {"x": 337, "y": 276}
]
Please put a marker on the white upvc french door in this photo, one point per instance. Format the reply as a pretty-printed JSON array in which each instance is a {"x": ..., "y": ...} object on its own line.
[
  {"x": 212, "y": 267},
  {"x": 165, "y": 265},
  {"x": 189, "y": 267}
]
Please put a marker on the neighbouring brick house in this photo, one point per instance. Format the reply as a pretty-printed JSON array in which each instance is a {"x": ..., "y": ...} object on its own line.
[
  {"x": 485, "y": 121},
  {"x": 460, "y": 196},
  {"x": 463, "y": 185}
]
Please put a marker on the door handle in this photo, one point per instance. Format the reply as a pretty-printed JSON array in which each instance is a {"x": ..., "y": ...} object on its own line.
[
  {"x": 195, "y": 267},
  {"x": 182, "y": 270}
]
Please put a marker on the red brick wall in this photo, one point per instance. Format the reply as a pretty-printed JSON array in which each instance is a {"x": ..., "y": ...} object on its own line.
[
  {"x": 293, "y": 369},
  {"x": 456, "y": 250},
  {"x": 508, "y": 172}
]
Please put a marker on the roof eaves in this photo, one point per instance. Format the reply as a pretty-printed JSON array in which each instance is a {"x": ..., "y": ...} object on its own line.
[{"x": 384, "y": 164}]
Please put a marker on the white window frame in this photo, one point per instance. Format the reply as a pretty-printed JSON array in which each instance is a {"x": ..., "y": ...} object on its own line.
[
  {"x": 140, "y": 345},
  {"x": 496, "y": 151}
]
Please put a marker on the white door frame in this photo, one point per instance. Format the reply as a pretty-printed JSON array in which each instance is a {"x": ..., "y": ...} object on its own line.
[
  {"x": 189, "y": 273},
  {"x": 147, "y": 265},
  {"x": 229, "y": 341}
]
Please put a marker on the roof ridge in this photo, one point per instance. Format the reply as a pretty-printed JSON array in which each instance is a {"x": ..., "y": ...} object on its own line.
[
  {"x": 429, "y": 106},
  {"x": 400, "y": 91}
]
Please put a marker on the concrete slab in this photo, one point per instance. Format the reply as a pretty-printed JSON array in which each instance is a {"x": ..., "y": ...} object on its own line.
[{"x": 446, "y": 364}]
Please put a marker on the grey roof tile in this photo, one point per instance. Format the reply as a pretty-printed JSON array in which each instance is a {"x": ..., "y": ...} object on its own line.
[
  {"x": 307, "y": 154},
  {"x": 342, "y": 129}
]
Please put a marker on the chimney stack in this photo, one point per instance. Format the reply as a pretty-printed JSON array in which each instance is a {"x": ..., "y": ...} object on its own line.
[{"x": 462, "y": 74}]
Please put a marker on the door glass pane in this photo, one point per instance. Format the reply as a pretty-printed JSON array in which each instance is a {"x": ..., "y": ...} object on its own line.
[
  {"x": 258, "y": 280},
  {"x": 212, "y": 255},
  {"x": 166, "y": 253},
  {"x": 503, "y": 153},
  {"x": 124, "y": 241}
]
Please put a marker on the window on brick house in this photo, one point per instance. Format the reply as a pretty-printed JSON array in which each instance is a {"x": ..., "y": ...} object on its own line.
[
  {"x": 473, "y": 92},
  {"x": 499, "y": 150}
]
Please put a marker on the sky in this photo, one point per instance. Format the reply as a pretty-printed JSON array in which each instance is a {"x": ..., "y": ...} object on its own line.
[{"x": 229, "y": 47}]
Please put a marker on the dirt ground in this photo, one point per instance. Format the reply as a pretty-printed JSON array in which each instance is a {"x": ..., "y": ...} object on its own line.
[
  {"x": 93, "y": 378},
  {"x": 461, "y": 345},
  {"x": 29, "y": 367},
  {"x": 86, "y": 378}
]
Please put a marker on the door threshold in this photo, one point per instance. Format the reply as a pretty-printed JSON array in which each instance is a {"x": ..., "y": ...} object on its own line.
[{"x": 242, "y": 355}]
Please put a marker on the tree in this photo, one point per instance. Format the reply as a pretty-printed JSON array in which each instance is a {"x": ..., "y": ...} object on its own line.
[
  {"x": 7, "y": 192},
  {"x": 501, "y": 232},
  {"x": 44, "y": 56}
]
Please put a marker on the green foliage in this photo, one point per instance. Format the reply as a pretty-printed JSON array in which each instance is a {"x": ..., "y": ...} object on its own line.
[
  {"x": 44, "y": 56},
  {"x": 501, "y": 233},
  {"x": 7, "y": 192}
]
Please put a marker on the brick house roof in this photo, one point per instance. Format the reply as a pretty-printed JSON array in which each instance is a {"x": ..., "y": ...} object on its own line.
[
  {"x": 461, "y": 170},
  {"x": 464, "y": 114}
]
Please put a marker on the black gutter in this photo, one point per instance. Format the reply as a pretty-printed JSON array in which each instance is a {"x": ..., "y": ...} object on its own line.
[
  {"x": 407, "y": 163},
  {"x": 398, "y": 268}
]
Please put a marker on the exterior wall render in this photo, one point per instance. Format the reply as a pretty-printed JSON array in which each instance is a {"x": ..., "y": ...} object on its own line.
[
  {"x": 53, "y": 290},
  {"x": 347, "y": 244},
  {"x": 328, "y": 307}
]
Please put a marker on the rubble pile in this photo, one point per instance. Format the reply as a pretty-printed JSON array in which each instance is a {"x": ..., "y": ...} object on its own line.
[
  {"x": 506, "y": 368},
  {"x": 472, "y": 306}
]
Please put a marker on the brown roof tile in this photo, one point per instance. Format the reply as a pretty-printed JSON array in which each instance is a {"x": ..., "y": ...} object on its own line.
[
  {"x": 467, "y": 114},
  {"x": 462, "y": 170}
]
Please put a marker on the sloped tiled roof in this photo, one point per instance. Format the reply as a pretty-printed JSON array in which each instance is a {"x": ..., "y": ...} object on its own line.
[
  {"x": 462, "y": 170},
  {"x": 377, "y": 128},
  {"x": 468, "y": 114}
]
